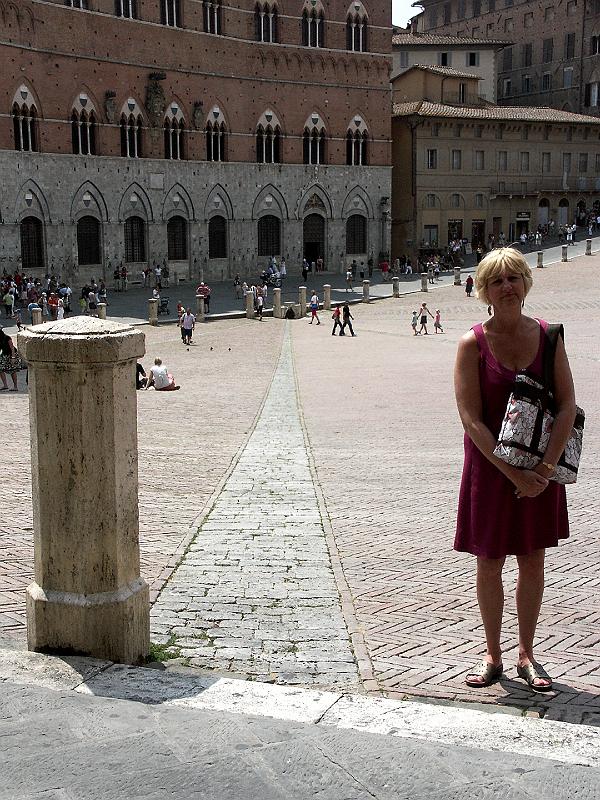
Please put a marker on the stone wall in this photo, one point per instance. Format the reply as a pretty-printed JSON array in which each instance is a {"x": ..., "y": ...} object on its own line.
[{"x": 61, "y": 189}]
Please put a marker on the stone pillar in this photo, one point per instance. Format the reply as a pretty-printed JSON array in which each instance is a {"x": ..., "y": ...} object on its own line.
[
  {"x": 175, "y": 278},
  {"x": 565, "y": 253},
  {"x": 366, "y": 284},
  {"x": 424, "y": 287},
  {"x": 87, "y": 595},
  {"x": 36, "y": 316},
  {"x": 326, "y": 297},
  {"x": 153, "y": 311},
  {"x": 101, "y": 310},
  {"x": 540, "y": 259},
  {"x": 396, "y": 287},
  {"x": 457, "y": 281},
  {"x": 277, "y": 303},
  {"x": 302, "y": 300},
  {"x": 200, "y": 308},
  {"x": 249, "y": 305},
  {"x": 588, "y": 247}
]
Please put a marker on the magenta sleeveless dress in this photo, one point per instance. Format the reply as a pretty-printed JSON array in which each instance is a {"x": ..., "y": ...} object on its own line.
[{"x": 492, "y": 522}]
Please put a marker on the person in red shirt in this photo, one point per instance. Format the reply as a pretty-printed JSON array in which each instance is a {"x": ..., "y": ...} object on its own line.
[
  {"x": 204, "y": 291},
  {"x": 53, "y": 305}
]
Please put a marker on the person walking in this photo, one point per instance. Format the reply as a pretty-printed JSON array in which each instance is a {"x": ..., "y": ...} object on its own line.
[
  {"x": 336, "y": 321},
  {"x": 260, "y": 302},
  {"x": 424, "y": 312},
  {"x": 349, "y": 280},
  {"x": 8, "y": 362},
  {"x": 282, "y": 270},
  {"x": 503, "y": 510},
  {"x": 469, "y": 285},
  {"x": 314, "y": 307},
  {"x": 347, "y": 320},
  {"x": 237, "y": 286},
  {"x": 414, "y": 321},
  {"x": 187, "y": 324},
  {"x": 437, "y": 322}
]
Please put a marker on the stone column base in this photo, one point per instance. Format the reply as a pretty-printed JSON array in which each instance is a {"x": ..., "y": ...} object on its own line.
[{"x": 109, "y": 625}]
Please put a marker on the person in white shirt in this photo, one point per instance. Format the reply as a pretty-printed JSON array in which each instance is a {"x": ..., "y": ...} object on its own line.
[
  {"x": 187, "y": 323},
  {"x": 162, "y": 380}
]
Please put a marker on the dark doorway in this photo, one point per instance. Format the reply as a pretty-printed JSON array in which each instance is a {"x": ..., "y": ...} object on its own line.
[
  {"x": 314, "y": 237},
  {"x": 478, "y": 232}
]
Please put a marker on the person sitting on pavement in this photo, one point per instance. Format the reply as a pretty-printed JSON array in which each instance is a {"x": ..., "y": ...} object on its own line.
[
  {"x": 162, "y": 380},
  {"x": 141, "y": 379}
]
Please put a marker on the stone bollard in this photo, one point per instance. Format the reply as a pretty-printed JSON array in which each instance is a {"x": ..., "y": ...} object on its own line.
[
  {"x": 87, "y": 596},
  {"x": 277, "y": 303},
  {"x": 153, "y": 311},
  {"x": 302, "y": 300},
  {"x": 457, "y": 280},
  {"x": 396, "y": 287},
  {"x": 101, "y": 310},
  {"x": 565, "y": 253},
  {"x": 249, "y": 305},
  {"x": 588, "y": 247},
  {"x": 326, "y": 297},
  {"x": 366, "y": 284},
  {"x": 36, "y": 316},
  {"x": 424, "y": 287},
  {"x": 200, "y": 308},
  {"x": 540, "y": 259},
  {"x": 175, "y": 278}
]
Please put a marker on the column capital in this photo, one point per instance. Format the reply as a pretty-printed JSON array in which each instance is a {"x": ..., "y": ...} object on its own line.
[{"x": 81, "y": 340}]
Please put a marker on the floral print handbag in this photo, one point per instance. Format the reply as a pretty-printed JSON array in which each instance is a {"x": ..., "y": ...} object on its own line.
[{"x": 529, "y": 417}]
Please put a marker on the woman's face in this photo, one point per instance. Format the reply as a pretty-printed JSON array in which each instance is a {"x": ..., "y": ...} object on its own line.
[{"x": 506, "y": 289}]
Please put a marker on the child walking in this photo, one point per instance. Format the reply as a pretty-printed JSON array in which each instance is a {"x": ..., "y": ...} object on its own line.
[
  {"x": 414, "y": 322},
  {"x": 437, "y": 322}
]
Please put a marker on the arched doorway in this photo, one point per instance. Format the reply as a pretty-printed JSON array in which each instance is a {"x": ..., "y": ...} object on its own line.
[
  {"x": 88, "y": 241},
  {"x": 177, "y": 239},
  {"x": 313, "y": 237},
  {"x": 581, "y": 216},
  {"x": 32, "y": 244},
  {"x": 135, "y": 240},
  {"x": 563, "y": 212},
  {"x": 543, "y": 214}
]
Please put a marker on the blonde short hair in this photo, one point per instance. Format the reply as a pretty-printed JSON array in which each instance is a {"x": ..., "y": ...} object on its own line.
[{"x": 492, "y": 265}]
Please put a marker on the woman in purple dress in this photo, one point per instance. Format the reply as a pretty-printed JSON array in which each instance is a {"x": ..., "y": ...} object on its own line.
[{"x": 504, "y": 510}]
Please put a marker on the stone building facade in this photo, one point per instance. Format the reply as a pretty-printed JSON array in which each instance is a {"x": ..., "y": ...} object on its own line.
[
  {"x": 204, "y": 135},
  {"x": 477, "y": 169},
  {"x": 478, "y": 56},
  {"x": 555, "y": 58}
]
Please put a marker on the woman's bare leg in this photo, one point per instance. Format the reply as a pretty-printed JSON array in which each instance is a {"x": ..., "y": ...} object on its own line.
[
  {"x": 490, "y": 596},
  {"x": 530, "y": 590}
]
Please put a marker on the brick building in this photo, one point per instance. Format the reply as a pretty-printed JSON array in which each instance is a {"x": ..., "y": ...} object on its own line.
[
  {"x": 555, "y": 58},
  {"x": 468, "y": 169},
  {"x": 204, "y": 134}
]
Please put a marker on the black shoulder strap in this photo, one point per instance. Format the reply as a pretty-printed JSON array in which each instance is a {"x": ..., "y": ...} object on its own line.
[{"x": 553, "y": 331}]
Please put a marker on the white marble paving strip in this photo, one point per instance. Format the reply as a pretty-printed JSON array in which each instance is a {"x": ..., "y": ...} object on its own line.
[{"x": 255, "y": 594}]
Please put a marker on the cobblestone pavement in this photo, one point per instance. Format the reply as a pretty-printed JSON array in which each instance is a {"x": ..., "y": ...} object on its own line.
[
  {"x": 387, "y": 444},
  {"x": 255, "y": 592},
  {"x": 387, "y": 447},
  {"x": 187, "y": 440}
]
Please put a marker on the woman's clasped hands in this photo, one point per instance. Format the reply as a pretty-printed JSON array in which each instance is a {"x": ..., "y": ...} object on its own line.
[{"x": 528, "y": 483}]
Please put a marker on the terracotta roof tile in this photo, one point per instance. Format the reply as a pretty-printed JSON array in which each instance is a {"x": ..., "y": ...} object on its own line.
[
  {"x": 449, "y": 72},
  {"x": 424, "y": 108},
  {"x": 429, "y": 39}
]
